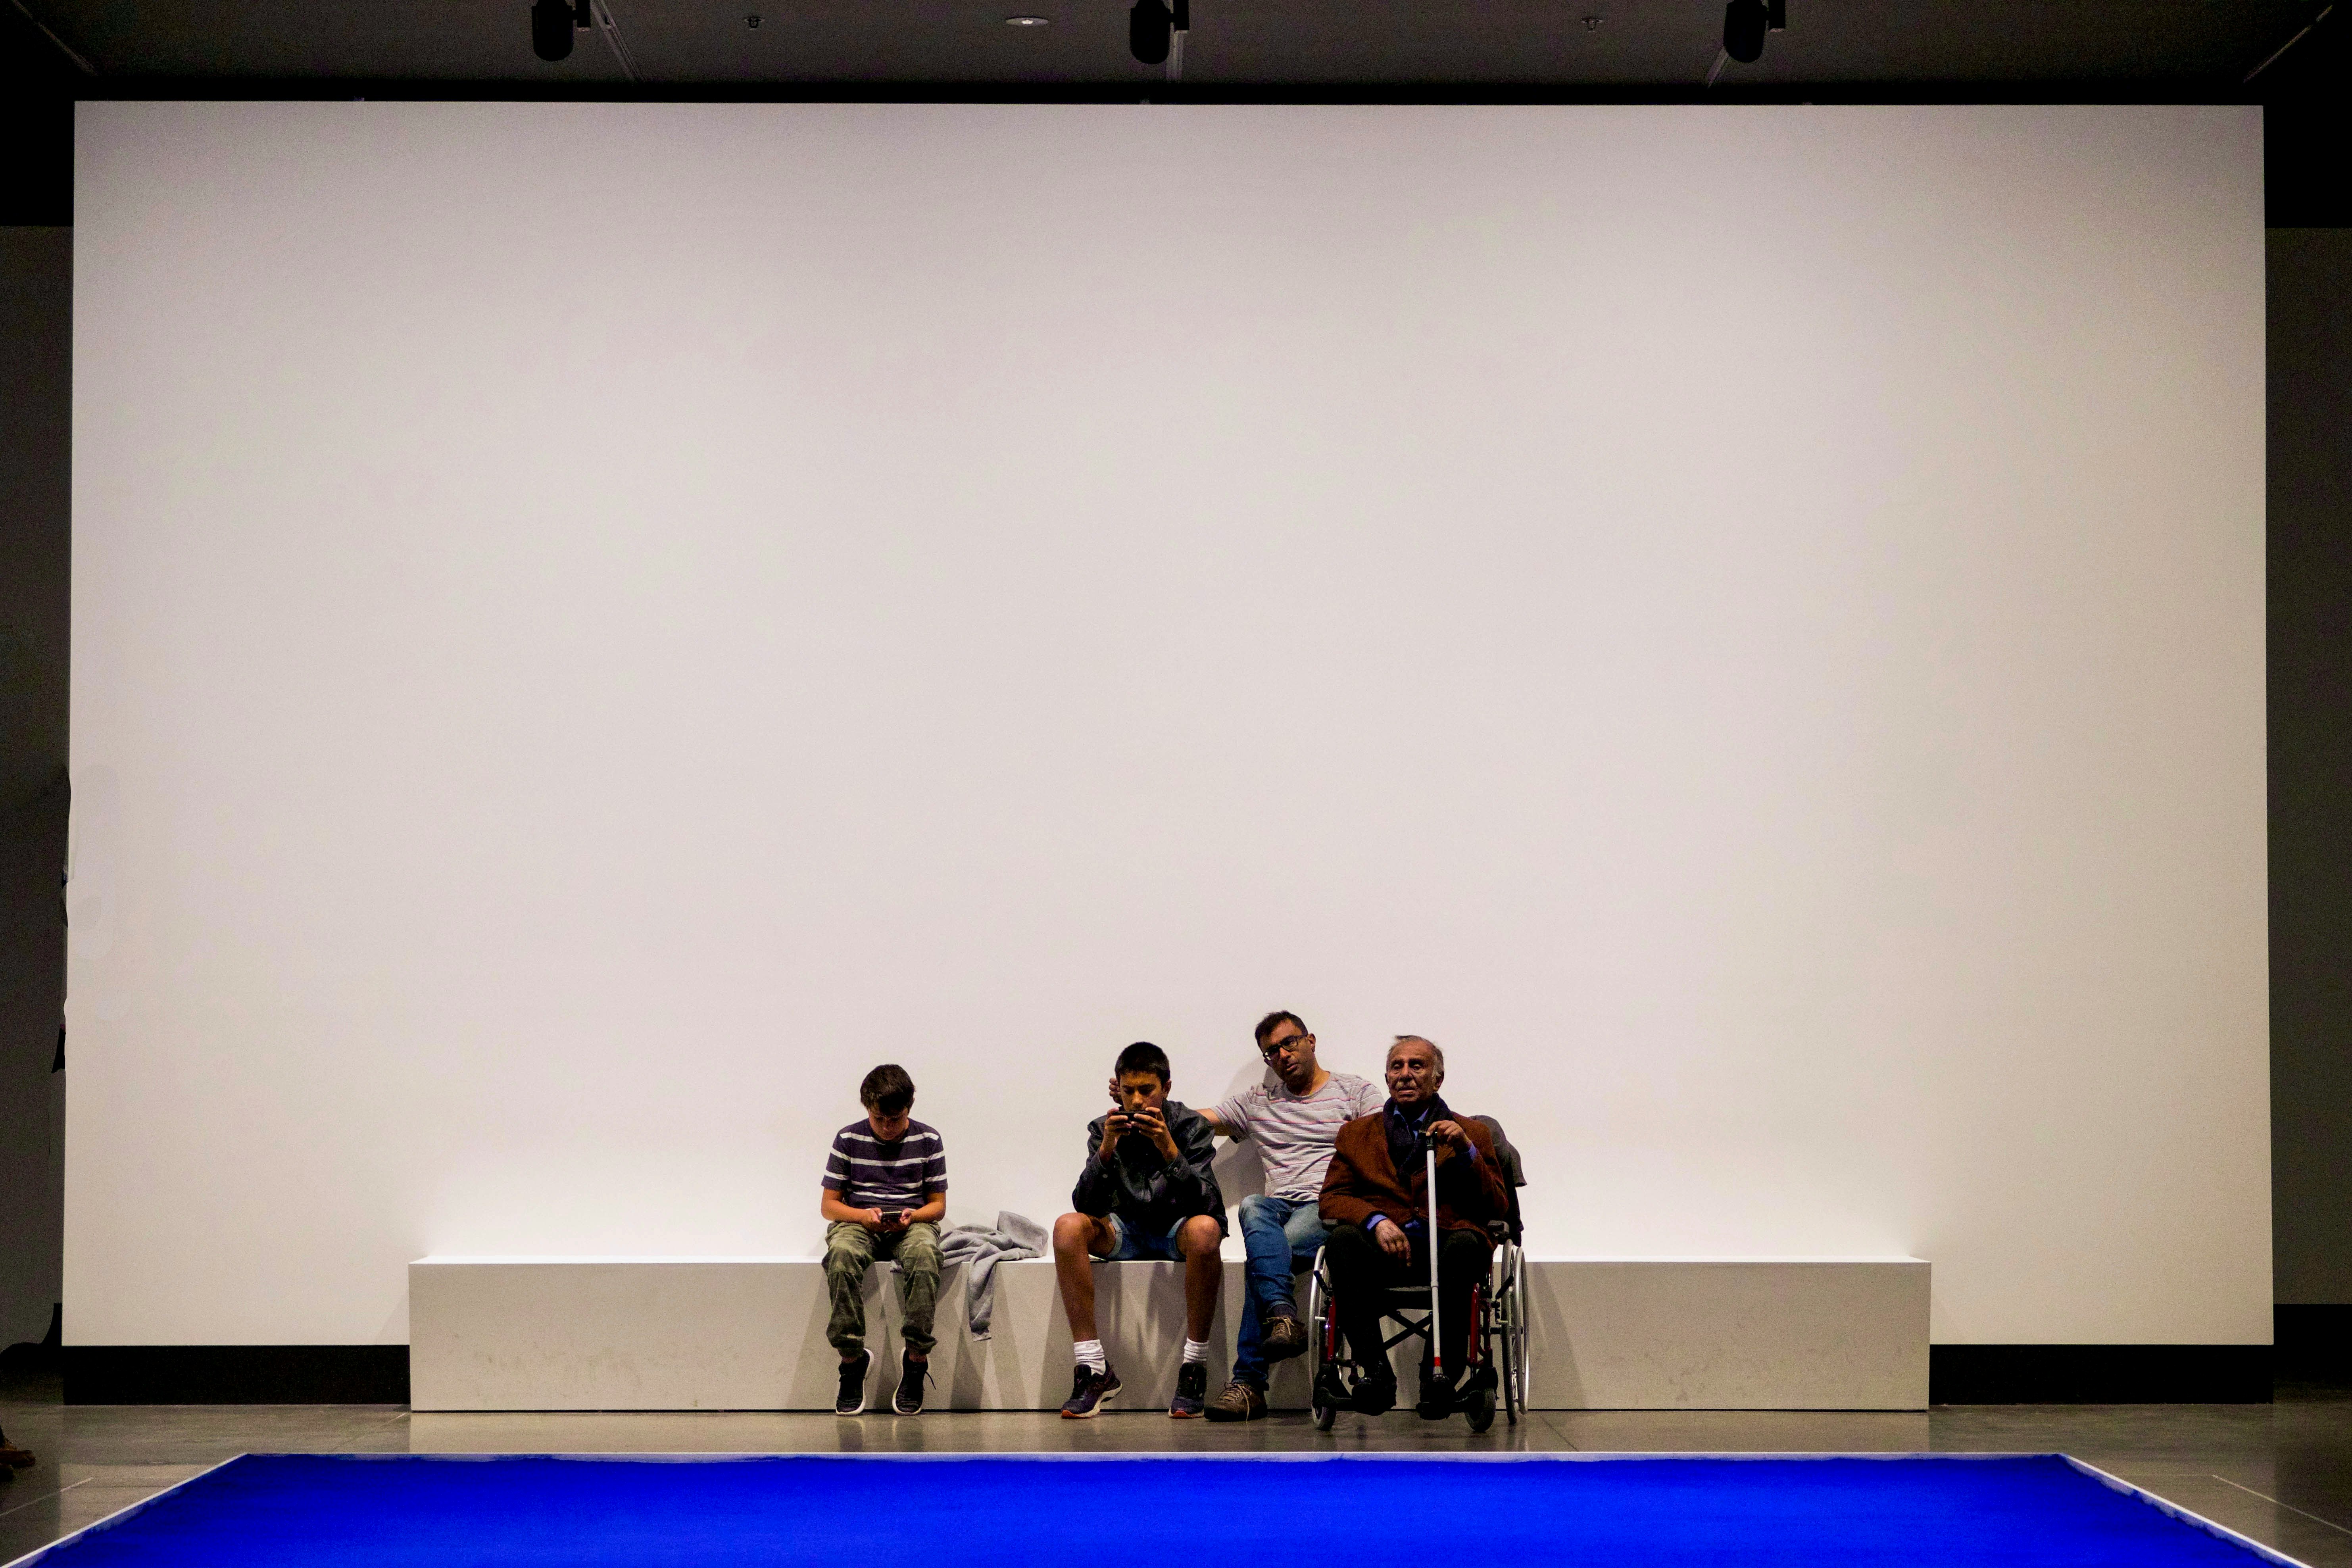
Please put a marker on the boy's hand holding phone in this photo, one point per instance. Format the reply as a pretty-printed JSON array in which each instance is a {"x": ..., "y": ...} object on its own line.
[{"x": 1152, "y": 1126}]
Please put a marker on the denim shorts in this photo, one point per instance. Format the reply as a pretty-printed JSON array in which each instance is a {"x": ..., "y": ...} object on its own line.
[{"x": 1129, "y": 1246}]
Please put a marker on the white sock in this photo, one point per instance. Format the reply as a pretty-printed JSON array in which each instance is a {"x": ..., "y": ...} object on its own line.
[
  {"x": 1195, "y": 1350},
  {"x": 1089, "y": 1352}
]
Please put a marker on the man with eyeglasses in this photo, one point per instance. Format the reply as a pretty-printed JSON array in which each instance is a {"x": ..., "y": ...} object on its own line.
[{"x": 1295, "y": 1124}]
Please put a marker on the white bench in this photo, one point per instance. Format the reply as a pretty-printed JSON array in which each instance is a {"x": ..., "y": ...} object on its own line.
[{"x": 748, "y": 1333}]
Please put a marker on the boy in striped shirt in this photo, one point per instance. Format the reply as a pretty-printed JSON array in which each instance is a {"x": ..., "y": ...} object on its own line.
[{"x": 886, "y": 1190}]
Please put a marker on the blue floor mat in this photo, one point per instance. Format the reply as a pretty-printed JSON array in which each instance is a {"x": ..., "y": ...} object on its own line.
[{"x": 400, "y": 1511}]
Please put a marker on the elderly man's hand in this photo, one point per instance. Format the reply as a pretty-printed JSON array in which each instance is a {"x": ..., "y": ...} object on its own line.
[
  {"x": 1450, "y": 1136},
  {"x": 1392, "y": 1237}
]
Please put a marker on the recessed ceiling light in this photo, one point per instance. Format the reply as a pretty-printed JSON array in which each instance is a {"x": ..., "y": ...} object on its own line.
[{"x": 1025, "y": 21}]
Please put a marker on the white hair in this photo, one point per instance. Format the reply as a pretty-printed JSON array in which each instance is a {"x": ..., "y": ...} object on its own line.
[{"x": 1434, "y": 1048}]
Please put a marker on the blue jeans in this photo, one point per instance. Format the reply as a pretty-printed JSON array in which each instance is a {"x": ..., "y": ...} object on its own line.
[
  {"x": 1281, "y": 1238},
  {"x": 1129, "y": 1245}
]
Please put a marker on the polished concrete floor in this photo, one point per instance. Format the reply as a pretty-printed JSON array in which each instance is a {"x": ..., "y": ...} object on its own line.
[{"x": 2280, "y": 1473}]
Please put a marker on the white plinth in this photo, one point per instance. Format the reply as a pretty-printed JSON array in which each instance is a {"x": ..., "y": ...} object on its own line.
[
  {"x": 1728, "y": 1335},
  {"x": 748, "y": 1333}
]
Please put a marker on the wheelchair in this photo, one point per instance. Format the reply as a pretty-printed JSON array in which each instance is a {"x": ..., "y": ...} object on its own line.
[{"x": 1497, "y": 1352}]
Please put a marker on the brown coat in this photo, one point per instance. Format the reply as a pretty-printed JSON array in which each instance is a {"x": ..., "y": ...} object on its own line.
[{"x": 1363, "y": 1180}]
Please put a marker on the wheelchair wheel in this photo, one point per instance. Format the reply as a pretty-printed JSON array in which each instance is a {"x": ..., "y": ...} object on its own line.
[
  {"x": 1509, "y": 1367},
  {"x": 1475, "y": 1398},
  {"x": 1321, "y": 1370},
  {"x": 1513, "y": 1300},
  {"x": 1479, "y": 1407},
  {"x": 1497, "y": 1327}
]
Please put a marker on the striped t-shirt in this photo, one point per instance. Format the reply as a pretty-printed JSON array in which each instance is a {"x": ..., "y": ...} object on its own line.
[
  {"x": 1295, "y": 1133},
  {"x": 871, "y": 1174}
]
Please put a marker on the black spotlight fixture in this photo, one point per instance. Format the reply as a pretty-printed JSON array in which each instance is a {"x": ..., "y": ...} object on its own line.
[
  {"x": 550, "y": 29},
  {"x": 1155, "y": 32},
  {"x": 1745, "y": 23},
  {"x": 552, "y": 23},
  {"x": 1148, "y": 26}
]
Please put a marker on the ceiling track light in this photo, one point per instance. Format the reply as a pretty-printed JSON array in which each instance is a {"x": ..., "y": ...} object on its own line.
[
  {"x": 1745, "y": 24},
  {"x": 1155, "y": 34},
  {"x": 552, "y": 23}
]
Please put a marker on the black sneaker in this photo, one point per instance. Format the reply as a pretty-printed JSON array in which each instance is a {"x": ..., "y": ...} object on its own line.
[
  {"x": 1192, "y": 1390},
  {"x": 908, "y": 1400},
  {"x": 1089, "y": 1391},
  {"x": 1375, "y": 1393},
  {"x": 851, "y": 1400},
  {"x": 1436, "y": 1397}
]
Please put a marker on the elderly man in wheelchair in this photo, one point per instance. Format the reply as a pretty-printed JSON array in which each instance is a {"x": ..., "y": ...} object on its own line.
[{"x": 1376, "y": 1208}]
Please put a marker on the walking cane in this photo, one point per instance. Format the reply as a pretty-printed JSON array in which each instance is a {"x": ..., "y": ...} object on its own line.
[{"x": 1436, "y": 1355}]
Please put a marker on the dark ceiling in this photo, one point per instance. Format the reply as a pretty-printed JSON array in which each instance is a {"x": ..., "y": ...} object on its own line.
[
  {"x": 1595, "y": 45},
  {"x": 54, "y": 52}
]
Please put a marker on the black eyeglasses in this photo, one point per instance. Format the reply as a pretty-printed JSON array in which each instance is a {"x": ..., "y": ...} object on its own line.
[{"x": 1273, "y": 1049}]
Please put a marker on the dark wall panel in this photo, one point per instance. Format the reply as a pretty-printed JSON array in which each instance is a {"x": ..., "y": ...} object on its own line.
[
  {"x": 36, "y": 455},
  {"x": 2310, "y": 763}
]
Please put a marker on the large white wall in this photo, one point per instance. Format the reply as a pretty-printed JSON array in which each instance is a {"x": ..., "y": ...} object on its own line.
[{"x": 595, "y": 624}]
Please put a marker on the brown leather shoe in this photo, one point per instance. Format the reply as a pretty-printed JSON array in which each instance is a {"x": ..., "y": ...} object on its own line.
[
  {"x": 1239, "y": 1402},
  {"x": 13, "y": 1458},
  {"x": 1282, "y": 1338}
]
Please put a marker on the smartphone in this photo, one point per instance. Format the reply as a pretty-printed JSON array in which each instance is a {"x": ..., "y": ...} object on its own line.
[{"x": 894, "y": 1216}]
